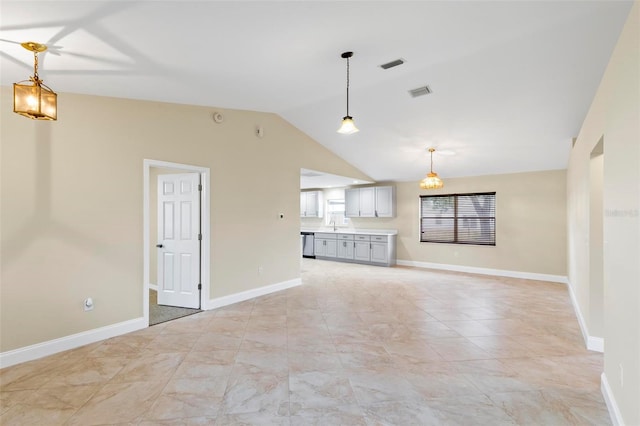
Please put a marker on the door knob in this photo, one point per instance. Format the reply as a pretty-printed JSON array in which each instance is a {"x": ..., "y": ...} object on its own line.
[{"x": 159, "y": 245}]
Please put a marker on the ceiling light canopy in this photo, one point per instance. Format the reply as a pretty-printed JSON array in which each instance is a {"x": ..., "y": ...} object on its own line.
[
  {"x": 431, "y": 181},
  {"x": 347, "y": 127},
  {"x": 32, "y": 98}
]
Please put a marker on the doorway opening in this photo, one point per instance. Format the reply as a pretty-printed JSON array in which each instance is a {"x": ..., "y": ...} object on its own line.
[{"x": 153, "y": 248}]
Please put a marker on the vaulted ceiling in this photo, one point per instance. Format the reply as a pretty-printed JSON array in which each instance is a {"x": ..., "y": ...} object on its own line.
[{"x": 511, "y": 81}]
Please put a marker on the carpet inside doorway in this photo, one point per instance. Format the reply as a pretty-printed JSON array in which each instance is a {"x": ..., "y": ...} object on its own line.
[{"x": 160, "y": 313}]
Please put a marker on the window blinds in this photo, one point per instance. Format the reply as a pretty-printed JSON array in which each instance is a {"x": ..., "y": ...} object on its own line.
[{"x": 458, "y": 218}]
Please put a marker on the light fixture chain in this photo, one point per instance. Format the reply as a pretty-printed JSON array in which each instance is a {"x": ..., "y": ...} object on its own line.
[
  {"x": 348, "y": 126},
  {"x": 35, "y": 66},
  {"x": 431, "y": 161},
  {"x": 347, "y": 86}
]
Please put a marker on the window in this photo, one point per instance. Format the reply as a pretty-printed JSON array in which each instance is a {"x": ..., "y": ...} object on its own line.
[
  {"x": 336, "y": 213},
  {"x": 458, "y": 218}
]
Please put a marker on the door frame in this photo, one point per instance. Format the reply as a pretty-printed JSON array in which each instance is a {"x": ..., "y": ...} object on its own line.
[{"x": 205, "y": 221}]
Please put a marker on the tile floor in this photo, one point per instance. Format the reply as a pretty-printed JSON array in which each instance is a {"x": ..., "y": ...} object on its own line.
[{"x": 354, "y": 345}]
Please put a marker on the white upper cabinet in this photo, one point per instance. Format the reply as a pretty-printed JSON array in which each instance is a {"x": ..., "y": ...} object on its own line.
[
  {"x": 385, "y": 201},
  {"x": 311, "y": 204},
  {"x": 368, "y": 202},
  {"x": 372, "y": 201},
  {"x": 352, "y": 202}
]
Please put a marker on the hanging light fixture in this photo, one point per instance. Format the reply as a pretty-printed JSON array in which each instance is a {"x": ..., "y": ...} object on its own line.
[
  {"x": 348, "y": 126},
  {"x": 32, "y": 98},
  {"x": 432, "y": 181}
]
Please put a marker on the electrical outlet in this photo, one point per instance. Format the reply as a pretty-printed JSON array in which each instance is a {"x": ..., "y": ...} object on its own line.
[{"x": 260, "y": 269}]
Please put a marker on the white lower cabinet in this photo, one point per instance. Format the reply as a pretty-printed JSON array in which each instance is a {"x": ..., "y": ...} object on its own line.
[
  {"x": 359, "y": 248},
  {"x": 379, "y": 249},
  {"x": 362, "y": 251},
  {"x": 362, "y": 248},
  {"x": 325, "y": 245},
  {"x": 379, "y": 253},
  {"x": 345, "y": 246}
]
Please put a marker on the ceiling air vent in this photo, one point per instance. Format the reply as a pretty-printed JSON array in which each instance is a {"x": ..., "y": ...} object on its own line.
[
  {"x": 392, "y": 64},
  {"x": 420, "y": 91}
]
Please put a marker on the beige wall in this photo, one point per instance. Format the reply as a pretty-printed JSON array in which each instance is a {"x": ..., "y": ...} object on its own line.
[
  {"x": 530, "y": 224},
  {"x": 595, "y": 314},
  {"x": 71, "y": 213},
  {"x": 614, "y": 116}
]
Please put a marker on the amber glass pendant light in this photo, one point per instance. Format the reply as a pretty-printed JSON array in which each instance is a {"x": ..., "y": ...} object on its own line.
[
  {"x": 32, "y": 98},
  {"x": 431, "y": 181}
]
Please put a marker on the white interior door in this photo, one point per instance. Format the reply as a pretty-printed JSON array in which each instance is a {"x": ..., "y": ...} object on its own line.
[{"x": 179, "y": 240}]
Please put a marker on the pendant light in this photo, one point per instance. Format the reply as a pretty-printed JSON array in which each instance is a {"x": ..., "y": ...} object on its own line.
[
  {"x": 32, "y": 98},
  {"x": 432, "y": 181},
  {"x": 348, "y": 126}
]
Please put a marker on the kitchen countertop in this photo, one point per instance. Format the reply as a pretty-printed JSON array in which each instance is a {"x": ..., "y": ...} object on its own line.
[{"x": 351, "y": 231}]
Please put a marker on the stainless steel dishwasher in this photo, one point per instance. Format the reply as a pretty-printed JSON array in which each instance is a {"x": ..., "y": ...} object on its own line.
[{"x": 308, "y": 244}]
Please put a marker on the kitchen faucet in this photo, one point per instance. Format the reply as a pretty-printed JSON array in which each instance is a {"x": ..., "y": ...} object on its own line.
[{"x": 333, "y": 222}]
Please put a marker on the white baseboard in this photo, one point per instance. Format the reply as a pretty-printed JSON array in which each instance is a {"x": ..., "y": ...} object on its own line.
[
  {"x": 153, "y": 286},
  {"x": 219, "y": 302},
  {"x": 486, "y": 271},
  {"x": 612, "y": 406},
  {"x": 593, "y": 343},
  {"x": 39, "y": 350}
]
